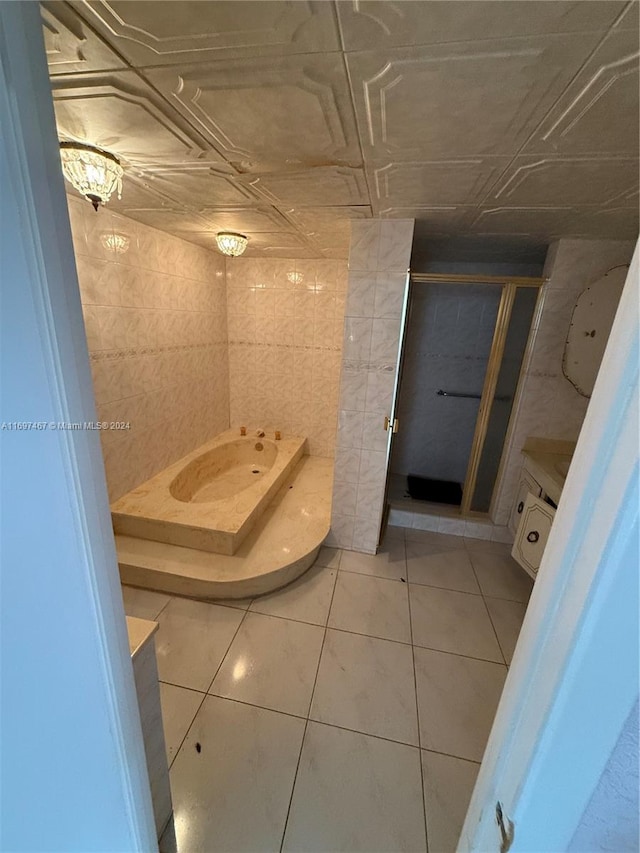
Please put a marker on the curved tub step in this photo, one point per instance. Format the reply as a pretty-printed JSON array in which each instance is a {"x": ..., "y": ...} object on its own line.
[{"x": 283, "y": 544}]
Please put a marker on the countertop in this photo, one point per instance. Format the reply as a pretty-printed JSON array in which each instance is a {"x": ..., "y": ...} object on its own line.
[
  {"x": 548, "y": 461},
  {"x": 140, "y": 632}
]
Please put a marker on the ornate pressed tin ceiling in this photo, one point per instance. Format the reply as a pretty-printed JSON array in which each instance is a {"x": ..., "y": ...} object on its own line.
[{"x": 284, "y": 120}]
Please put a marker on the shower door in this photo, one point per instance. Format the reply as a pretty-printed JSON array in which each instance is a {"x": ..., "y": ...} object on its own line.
[{"x": 457, "y": 380}]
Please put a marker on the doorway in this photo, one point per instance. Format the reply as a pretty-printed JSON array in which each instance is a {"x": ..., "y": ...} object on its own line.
[{"x": 465, "y": 342}]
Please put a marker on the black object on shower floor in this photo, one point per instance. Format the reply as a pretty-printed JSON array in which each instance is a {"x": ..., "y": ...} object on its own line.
[{"x": 436, "y": 491}]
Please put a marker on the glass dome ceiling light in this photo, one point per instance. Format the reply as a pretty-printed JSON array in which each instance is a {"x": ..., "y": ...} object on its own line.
[
  {"x": 231, "y": 243},
  {"x": 93, "y": 172}
]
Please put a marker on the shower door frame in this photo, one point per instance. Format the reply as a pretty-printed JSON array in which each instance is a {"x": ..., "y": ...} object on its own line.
[{"x": 510, "y": 285}]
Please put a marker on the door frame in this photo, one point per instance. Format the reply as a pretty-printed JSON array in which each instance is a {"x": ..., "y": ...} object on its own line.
[
  {"x": 74, "y": 772},
  {"x": 573, "y": 680}
]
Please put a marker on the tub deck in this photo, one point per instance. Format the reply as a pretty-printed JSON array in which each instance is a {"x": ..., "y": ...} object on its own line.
[
  {"x": 283, "y": 544},
  {"x": 221, "y": 513}
]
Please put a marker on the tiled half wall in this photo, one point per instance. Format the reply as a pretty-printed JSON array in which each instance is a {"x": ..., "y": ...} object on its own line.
[
  {"x": 155, "y": 317},
  {"x": 285, "y": 321},
  {"x": 378, "y": 261}
]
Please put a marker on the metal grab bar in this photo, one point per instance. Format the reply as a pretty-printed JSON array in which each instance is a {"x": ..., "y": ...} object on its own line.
[{"x": 442, "y": 393}]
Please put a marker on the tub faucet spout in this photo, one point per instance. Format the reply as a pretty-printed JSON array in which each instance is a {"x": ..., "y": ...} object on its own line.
[{"x": 260, "y": 433}]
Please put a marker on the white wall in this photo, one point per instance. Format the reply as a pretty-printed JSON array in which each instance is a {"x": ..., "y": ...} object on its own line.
[
  {"x": 610, "y": 821},
  {"x": 550, "y": 407},
  {"x": 73, "y": 768}
]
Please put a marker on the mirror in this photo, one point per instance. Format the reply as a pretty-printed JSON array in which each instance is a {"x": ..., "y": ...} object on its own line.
[{"x": 590, "y": 327}]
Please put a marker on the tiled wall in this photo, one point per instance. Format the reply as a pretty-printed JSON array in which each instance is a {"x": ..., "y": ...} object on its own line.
[
  {"x": 550, "y": 407},
  {"x": 155, "y": 316},
  {"x": 285, "y": 321},
  {"x": 378, "y": 262}
]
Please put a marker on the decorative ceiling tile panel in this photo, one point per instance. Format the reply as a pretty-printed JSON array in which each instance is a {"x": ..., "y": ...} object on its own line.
[
  {"x": 197, "y": 186},
  {"x": 245, "y": 219},
  {"x": 371, "y": 24},
  {"x": 312, "y": 219},
  {"x": 486, "y": 98},
  {"x": 168, "y": 32},
  {"x": 173, "y": 220},
  {"x": 287, "y": 111},
  {"x": 615, "y": 223},
  {"x": 435, "y": 182},
  {"x": 503, "y": 118},
  {"x": 572, "y": 182},
  {"x": 320, "y": 187},
  {"x": 598, "y": 113},
  {"x": 71, "y": 45},
  {"x": 441, "y": 218},
  {"x": 547, "y": 222},
  {"x": 121, "y": 113}
]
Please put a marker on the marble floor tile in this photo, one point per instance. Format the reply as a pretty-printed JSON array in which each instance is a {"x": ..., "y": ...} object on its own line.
[
  {"x": 500, "y": 576},
  {"x": 439, "y": 541},
  {"x": 328, "y": 557},
  {"x": 487, "y": 546},
  {"x": 233, "y": 793},
  {"x": 143, "y": 603},
  {"x": 455, "y": 622},
  {"x": 306, "y": 600},
  {"x": 192, "y": 641},
  {"x": 446, "y": 569},
  {"x": 356, "y": 794},
  {"x": 179, "y": 707},
  {"x": 271, "y": 663},
  {"x": 457, "y": 701},
  {"x": 367, "y": 685},
  {"x": 448, "y": 785},
  {"x": 389, "y": 562},
  {"x": 393, "y": 532},
  {"x": 507, "y": 618},
  {"x": 373, "y": 606}
]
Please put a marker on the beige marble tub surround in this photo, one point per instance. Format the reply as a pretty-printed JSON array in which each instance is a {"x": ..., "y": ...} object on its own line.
[
  {"x": 285, "y": 335},
  {"x": 283, "y": 544},
  {"x": 156, "y": 325},
  {"x": 153, "y": 511},
  {"x": 378, "y": 262}
]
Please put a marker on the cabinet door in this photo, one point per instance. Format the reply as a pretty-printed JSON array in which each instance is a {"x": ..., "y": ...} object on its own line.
[
  {"x": 526, "y": 486},
  {"x": 533, "y": 532}
]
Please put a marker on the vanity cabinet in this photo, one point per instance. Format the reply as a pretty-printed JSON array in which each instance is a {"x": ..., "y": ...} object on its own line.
[
  {"x": 527, "y": 486},
  {"x": 532, "y": 534},
  {"x": 546, "y": 464}
]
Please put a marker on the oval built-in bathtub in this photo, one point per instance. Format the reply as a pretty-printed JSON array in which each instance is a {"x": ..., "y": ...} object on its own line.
[
  {"x": 211, "y": 499},
  {"x": 225, "y": 470}
]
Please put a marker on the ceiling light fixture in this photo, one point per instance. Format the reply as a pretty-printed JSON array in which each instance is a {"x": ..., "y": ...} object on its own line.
[
  {"x": 230, "y": 243},
  {"x": 93, "y": 172},
  {"x": 115, "y": 242}
]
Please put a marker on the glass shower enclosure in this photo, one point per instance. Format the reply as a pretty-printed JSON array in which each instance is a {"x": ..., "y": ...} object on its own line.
[{"x": 464, "y": 343}]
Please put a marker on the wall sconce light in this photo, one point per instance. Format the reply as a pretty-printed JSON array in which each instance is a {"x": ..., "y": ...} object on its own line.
[
  {"x": 230, "y": 243},
  {"x": 93, "y": 172}
]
